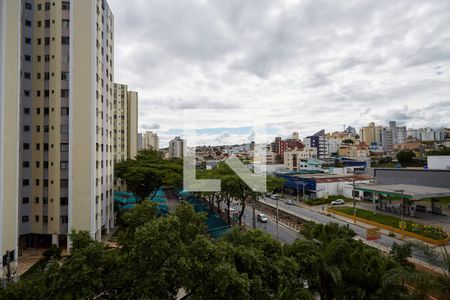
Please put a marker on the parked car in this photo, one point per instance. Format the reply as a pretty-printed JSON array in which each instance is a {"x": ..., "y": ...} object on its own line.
[
  {"x": 262, "y": 218},
  {"x": 274, "y": 197},
  {"x": 338, "y": 202},
  {"x": 289, "y": 202}
]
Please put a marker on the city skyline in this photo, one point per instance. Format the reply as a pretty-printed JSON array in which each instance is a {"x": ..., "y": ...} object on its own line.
[{"x": 384, "y": 62}]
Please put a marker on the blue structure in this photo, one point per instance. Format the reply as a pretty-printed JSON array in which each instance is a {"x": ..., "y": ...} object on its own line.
[
  {"x": 126, "y": 201},
  {"x": 216, "y": 226},
  {"x": 296, "y": 184}
]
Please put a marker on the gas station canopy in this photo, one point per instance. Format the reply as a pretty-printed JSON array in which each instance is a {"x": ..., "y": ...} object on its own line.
[{"x": 413, "y": 192}]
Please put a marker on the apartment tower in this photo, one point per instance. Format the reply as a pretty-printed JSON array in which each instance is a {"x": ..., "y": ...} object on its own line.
[
  {"x": 125, "y": 123},
  {"x": 10, "y": 27},
  {"x": 150, "y": 140},
  {"x": 67, "y": 110}
]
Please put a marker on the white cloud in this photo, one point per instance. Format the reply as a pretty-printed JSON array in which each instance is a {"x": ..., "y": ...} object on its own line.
[{"x": 311, "y": 64}]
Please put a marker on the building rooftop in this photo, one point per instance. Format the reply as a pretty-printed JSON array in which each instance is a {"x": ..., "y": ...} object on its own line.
[{"x": 326, "y": 177}]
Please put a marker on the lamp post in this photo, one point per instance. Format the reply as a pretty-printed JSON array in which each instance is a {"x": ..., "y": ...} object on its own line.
[{"x": 402, "y": 211}]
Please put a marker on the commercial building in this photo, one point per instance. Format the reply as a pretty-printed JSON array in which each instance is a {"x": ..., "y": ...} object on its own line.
[
  {"x": 176, "y": 147},
  {"x": 125, "y": 123},
  {"x": 439, "y": 162},
  {"x": 150, "y": 140},
  {"x": 67, "y": 110},
  {"x": 409, "y": 176},
  {"x": 10, "y": 28}
]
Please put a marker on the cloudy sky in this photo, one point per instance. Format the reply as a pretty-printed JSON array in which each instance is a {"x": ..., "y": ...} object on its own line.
[{"x": 308, "y": 64}]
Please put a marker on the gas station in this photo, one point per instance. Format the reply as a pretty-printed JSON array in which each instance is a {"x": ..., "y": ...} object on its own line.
[{"x": 400, "y": 199}]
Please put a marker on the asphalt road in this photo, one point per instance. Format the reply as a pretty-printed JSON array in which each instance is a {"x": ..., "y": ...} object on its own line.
[
  {"x": 285, "y": 234},
  {"x": 384, "y": 241}
]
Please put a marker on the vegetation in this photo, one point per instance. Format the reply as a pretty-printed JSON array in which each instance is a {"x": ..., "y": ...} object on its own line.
[
  {"x": 158, "y": 256},
  {"x": 148, "y": 172},
  {"x": 441, "y": 151},
  {"x": 405, "y": 157},
  {"x": 392, "y": 221},
  {"x": 233, "y": 188}
]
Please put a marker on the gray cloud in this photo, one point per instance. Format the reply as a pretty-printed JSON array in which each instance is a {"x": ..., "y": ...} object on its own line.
[{"x": 310, "y": 63}]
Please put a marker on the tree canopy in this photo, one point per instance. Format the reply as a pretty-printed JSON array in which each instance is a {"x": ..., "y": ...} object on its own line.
[
  {"x": 145, "y": 174},
  {"x": 159, "y": 256}
]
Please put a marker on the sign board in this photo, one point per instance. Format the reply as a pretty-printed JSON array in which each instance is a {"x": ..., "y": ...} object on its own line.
[{"x": 373, "y": 234}]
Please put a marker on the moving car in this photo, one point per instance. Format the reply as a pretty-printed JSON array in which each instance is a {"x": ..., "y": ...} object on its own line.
[
  {"x": 338, "y": 202},
  {"x": 274, "y": 197},
  {"x": 289, "y": 202},
  {"x": 262, "y": 218}
]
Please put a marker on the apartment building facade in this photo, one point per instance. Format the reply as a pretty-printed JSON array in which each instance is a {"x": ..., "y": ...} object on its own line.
[
  {"x": 292, "y": 158},
  {"x": 10, "y": 28},
  {"x": 176, "y": 147},
  {"x": 150, "y": 140},
  {"x": 67, "y": 109},
  {"x": 125, "y": 123}
]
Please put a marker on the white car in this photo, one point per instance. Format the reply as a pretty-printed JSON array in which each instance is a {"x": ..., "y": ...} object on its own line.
[
  {"x": 262, "y": 218},
  {"x": 338, "y": 202},
  {"x": 274, "y": 197}
]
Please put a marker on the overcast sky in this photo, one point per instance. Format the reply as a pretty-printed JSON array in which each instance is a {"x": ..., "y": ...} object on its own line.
[{"x": 310, "y": 64}]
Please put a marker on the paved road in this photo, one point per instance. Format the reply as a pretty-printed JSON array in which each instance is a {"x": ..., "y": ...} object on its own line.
[
  {"x": 285, "y": 234},
  {"x": 384, "y": 241}
]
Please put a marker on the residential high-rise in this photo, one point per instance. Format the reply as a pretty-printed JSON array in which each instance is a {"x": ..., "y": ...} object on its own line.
[
  {"x": 371, "y": 134},
  {"x": 176, "y": 147},
  {"x": 9, "y": 131},
  {"x": 125, "y": 123},
  {"x": 150, "y": 140},
  {"x": 318, "y": 141},
  {"x": 67, "y": 109},
  {"x": 139, "y": 141}
]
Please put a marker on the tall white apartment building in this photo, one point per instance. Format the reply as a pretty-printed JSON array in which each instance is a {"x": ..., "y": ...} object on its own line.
[
  {"x": 176, "y": 147},
  {"x": 10, "y": 27},
  {"x": 66, "y": 120}
]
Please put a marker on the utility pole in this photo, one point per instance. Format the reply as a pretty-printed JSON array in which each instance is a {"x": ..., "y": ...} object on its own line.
[{"x": 354, "y": 203}]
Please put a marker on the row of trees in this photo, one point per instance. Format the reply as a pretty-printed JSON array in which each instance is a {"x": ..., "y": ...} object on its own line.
[
  {"x": 233, "y": 188},
  {"x": 159, "y": 257}
]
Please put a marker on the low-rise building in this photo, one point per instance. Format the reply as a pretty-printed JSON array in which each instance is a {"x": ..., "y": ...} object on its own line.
[{"x": 292, "y": 158}]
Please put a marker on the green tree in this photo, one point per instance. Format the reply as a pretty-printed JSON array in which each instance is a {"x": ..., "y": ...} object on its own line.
[
  {"x": 148, "y": 172},
  {"x": 405, "y": 157}
]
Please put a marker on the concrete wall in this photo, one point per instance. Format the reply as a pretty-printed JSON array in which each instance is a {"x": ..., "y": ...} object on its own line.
[
  {"x": 436, "y": 178},
  {"x": 439, "y": 162}
]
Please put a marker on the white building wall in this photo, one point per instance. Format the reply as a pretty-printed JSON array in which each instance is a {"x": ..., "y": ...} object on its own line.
[{"x": 439, "y": 162}]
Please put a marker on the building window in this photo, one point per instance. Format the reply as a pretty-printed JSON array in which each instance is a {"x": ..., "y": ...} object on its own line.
[
  {"x": 25, "y": 182},
  {"x": 24, "y": 219},
  {"x": 38, "y": 146},
  {"x": 26, "y": 110},
  {"x": 64, "y": 165},
  {"x": 38, "y": 164},
  {"x": 64, "y": 183},
  {"x": 26, "y": 128},
  {"x": 28, "y": 6},
  {"x": 37, "y": 182},
  {"x": 47, "y": 6},
  {"x": 26, "y": 93},
  {"x": 64, "y": 93},
  {"x": 47, "y": 58},
  {"x": 28, "y": 40},
  {"x": 65, "y": 58},
  {"x": 25, "y": 200},
  {"x": 26, "y": 164},
  {"x": 26, "y": 146},
  {"x": 45, "y": 219},
  {"x": 64, "y": 129},
  {"x": 64, "y": 147},
  {"x": 65, "y": 23},
  {"x": 27, "y": 57},
  {"x": 47, "y": 24},
  {"x": 27, "y": 23},
  {"x": 65, "y": 40},
  {"x": 64, "y": 219},
  {"x": 27, "y": 75},
  {"x": 64, "y": 201},
  {"x": 64, "y": 111},
  {"x": 36, "y": 218},
  {"x": 47, "y": 41},
  {"x": 64, "y": 76},
  {"x": 65, "y": 5}
]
